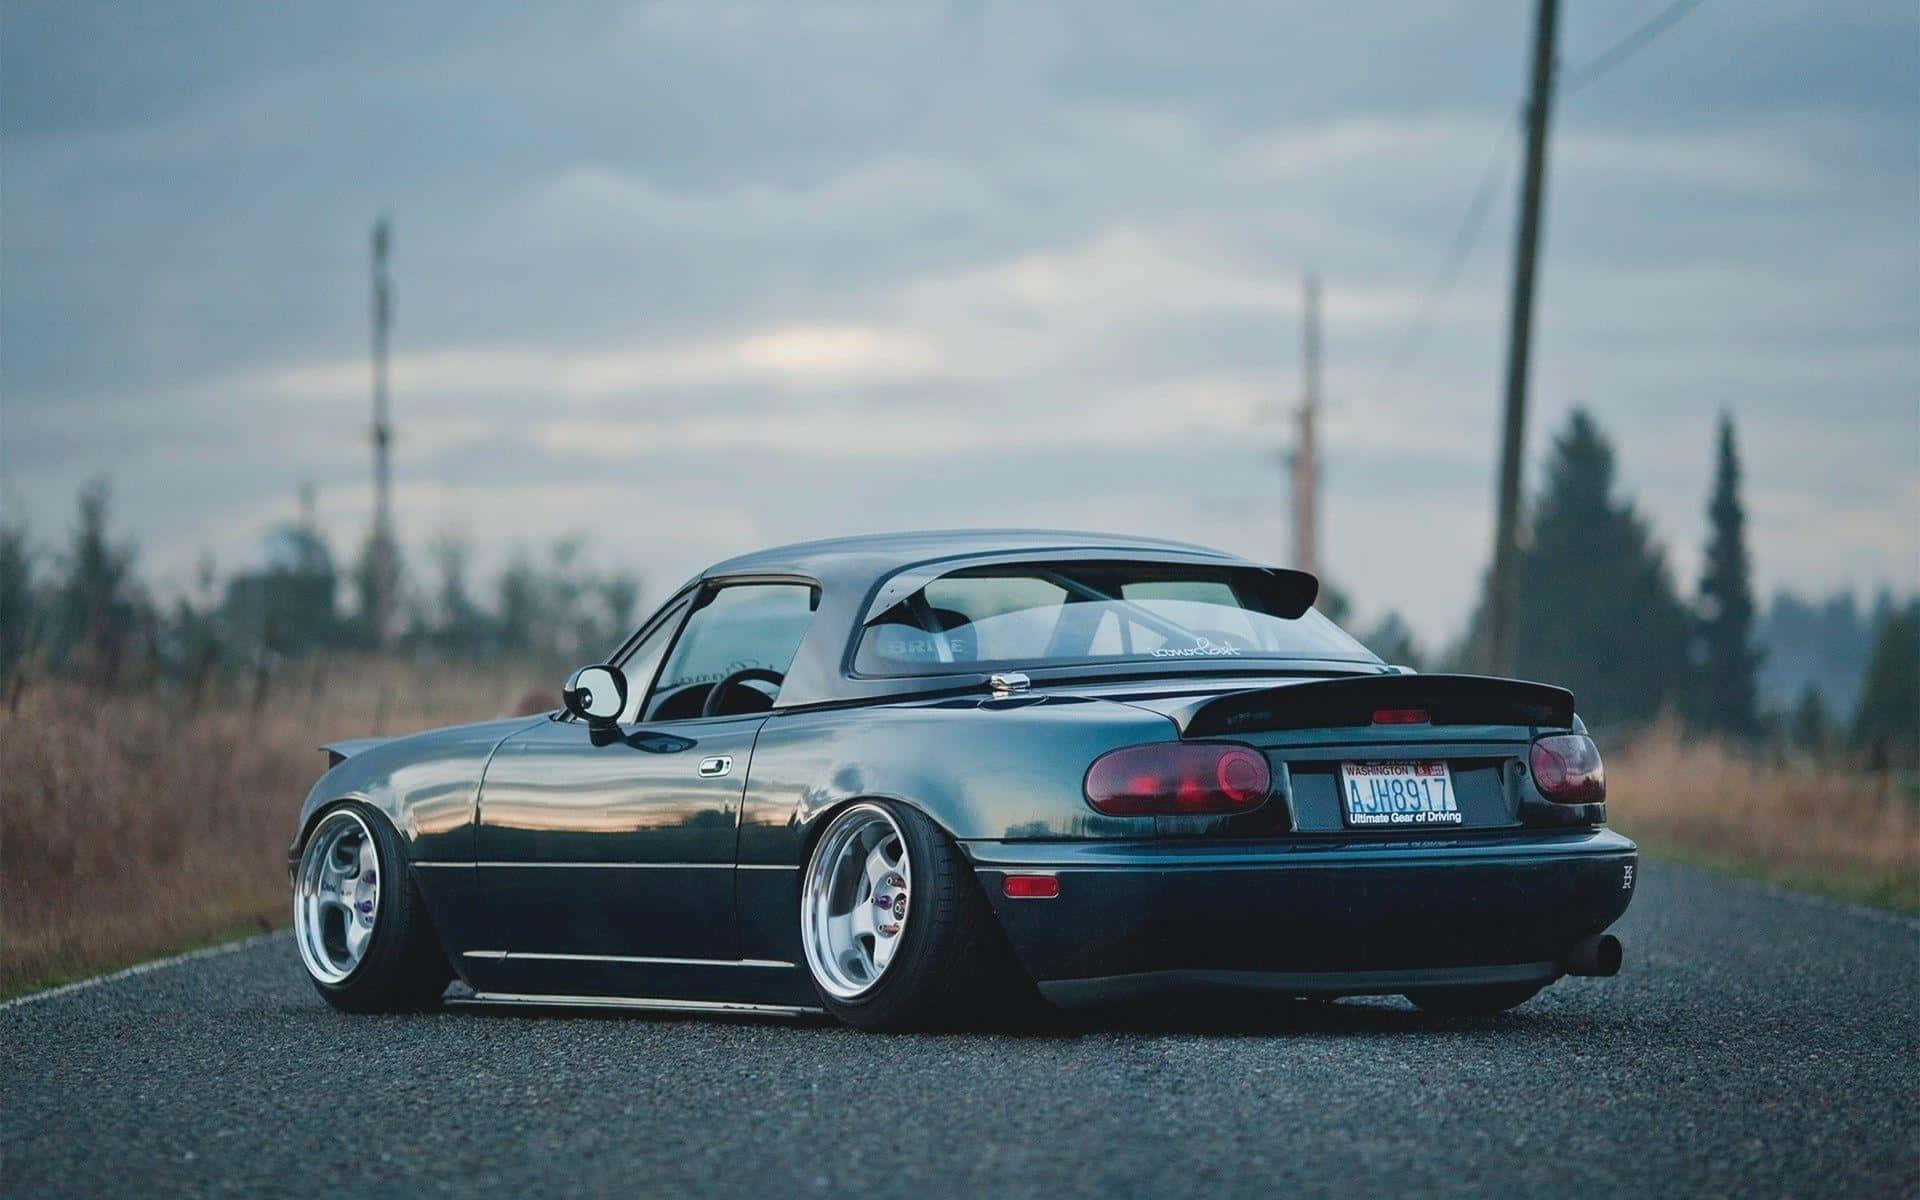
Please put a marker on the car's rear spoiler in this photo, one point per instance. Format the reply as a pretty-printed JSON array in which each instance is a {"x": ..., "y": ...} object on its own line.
[
  {"x": 344, "y": 749},
  {"x": 1333, "y": 703}
]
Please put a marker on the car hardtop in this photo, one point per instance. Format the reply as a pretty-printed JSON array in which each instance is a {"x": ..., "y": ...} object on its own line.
[
  {"x": 871, "y": 557},
  {"x": 850, "y": 573}
]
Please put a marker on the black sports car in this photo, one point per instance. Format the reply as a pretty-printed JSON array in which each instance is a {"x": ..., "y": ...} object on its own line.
[{"x": 905, "y": 778}]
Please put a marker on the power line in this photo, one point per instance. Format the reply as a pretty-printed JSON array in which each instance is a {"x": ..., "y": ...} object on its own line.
[
  {"x": 1465, "y": 237},
  {"x": 1626, "y": 47}
]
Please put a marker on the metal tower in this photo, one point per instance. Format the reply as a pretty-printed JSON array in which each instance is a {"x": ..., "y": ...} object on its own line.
[{"x": 383, "y": 561}]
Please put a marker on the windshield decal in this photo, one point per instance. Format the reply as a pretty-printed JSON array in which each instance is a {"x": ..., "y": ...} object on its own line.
[{"x": 1201, "y": 648}]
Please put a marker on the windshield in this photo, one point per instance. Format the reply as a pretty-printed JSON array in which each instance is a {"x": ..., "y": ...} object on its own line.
[{"x": 1066, "y": 614}]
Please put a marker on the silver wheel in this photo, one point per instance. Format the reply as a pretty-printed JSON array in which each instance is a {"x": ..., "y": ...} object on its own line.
[
  {"x": 854, "y": 901},
  {"x": 336, "y": 896}
]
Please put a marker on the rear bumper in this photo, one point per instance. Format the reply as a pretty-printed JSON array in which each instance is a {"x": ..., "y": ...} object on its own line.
[{"x": 1307, "y": 917}]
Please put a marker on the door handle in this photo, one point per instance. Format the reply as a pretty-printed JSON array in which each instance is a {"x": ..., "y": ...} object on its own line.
[{"x": 715, "y": 767}]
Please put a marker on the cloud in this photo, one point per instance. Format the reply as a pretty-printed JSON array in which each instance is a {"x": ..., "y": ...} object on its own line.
[
  {"x": 765, "y": 271},
  {"x": 838, "y": 354}
]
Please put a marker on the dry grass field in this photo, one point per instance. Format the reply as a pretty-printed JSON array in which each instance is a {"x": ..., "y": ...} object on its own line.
[
  {"x": 1850, "y": 834},
  {"x": 132, "y": 826}
]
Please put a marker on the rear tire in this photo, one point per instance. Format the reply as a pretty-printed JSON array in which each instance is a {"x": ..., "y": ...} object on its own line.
[
  {"x": 1473, "y": 1001},
  {"x": 951, "y": 965},
  {"x": 396, "y": 964}
]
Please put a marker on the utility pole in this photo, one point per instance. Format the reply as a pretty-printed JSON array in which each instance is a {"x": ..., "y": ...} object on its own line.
[
  {"x": 1306, "y": 460},
  {"x": 1502, "y": 597},
  {"x": 383, "y": 562}
]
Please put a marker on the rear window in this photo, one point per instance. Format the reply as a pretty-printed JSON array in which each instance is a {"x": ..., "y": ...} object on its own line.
[{"x": 1067, "y": 614}]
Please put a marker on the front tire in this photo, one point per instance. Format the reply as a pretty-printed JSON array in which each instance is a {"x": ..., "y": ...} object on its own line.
[
  {"x": 358, "y": 920},
  {"x": 896, "y": 931}
]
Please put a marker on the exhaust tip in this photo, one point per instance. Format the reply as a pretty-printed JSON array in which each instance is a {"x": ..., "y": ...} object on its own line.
[{"x": 1598, "y": 955}]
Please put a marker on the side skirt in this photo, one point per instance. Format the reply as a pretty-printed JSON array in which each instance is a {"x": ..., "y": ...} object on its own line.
[
  {"x": 697, "y": 982},
  {"x": 649, "y": 1004}
]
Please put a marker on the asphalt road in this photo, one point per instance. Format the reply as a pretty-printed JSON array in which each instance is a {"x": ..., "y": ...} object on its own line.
[{"x": 1755, "y": 1042}]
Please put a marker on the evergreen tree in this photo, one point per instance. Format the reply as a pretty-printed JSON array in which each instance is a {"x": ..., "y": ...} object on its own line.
[
  {"x": 1726, "y": 656},
  {"x": 1808, "y": 727},
  {"x": 1392, "y": 640},
  {"x": 98, "y": 606},
  {"x": 1888, "y": 719},
  {"x": 463, "y": 628},
  {"x": 521, "y": 605},
  {"x": 366, "y": 585},
  {"x": 1598, "y": 611},
  {"x": 619, "y": 599},
  {"x": 19, "y": 615}
]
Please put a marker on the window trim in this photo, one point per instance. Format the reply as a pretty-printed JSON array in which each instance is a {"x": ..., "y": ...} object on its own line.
[
  {"x": 703, "y": 593},
  {"x": 654, "y": 620}
]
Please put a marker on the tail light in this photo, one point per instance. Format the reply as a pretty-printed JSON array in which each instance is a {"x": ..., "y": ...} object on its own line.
[
  {"x": 1179, "y": 779},
  {"x": 1567, "y": 768}
]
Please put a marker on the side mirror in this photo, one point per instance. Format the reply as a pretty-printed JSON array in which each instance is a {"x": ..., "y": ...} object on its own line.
[{"x": 597, "y": 695}]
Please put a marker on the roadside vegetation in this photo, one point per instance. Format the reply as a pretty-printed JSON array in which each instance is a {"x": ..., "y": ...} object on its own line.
[
  {"x": 1782, "y": 817},
  {"x": 135, "y": 824}
]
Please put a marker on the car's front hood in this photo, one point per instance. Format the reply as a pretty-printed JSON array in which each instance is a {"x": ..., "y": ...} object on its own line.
[{"x": 428, "y": 741}]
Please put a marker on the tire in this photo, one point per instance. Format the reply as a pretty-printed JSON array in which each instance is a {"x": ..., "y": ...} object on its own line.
[
  {"x": 1473, "y": 1001},
  {"x": 952, "y": 966},
  {"x": 398, "y": 966}
]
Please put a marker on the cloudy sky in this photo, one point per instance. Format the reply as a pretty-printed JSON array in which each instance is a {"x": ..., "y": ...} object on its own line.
[{"x": 695, "y": 277}]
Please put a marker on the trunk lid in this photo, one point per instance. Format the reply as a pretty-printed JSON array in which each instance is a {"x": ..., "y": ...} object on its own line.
[
  {"x": 1450, "y": 700},
  {"x": 1479, "y": 727}
]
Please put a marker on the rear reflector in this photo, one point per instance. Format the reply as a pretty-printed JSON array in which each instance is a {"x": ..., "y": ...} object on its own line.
[
  {"x": 1031, "y": 887},
  {"x": 1179, "y": 779},
  {"x": 1400, "y": 716}
]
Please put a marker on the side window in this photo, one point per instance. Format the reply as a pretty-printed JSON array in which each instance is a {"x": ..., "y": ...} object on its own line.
[
  {"x": 749, "y": 626},
  {"x": 643, "y": 662}
]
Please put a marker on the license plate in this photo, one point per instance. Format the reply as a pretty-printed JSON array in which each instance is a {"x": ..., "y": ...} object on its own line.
[{"x": 1386, "y": 794}]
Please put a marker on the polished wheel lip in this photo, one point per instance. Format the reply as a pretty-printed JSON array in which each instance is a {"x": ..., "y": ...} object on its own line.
[
  {"x": 336, "y": 896},
  {"x": 859, "y": 864}
]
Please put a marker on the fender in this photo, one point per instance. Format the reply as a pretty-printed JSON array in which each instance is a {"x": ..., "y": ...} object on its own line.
[
  {"x": 979, "y": 768},
  {"x": 426, "y": 784},
  {"x": 343, "y": 749}
]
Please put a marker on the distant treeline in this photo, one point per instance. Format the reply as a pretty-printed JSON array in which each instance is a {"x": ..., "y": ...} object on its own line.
[
  {"x": 1599, "y": 612},
  {"x": 81, "y": 608},
  {"x": 1819, "y": 647}
]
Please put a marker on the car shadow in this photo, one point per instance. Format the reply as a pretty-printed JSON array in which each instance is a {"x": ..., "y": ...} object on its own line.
[
  {"x": 1208, "y": 1019},
  {"x": 1207, "y": 1014},
  {"x": 1234, "y": 1016}
]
